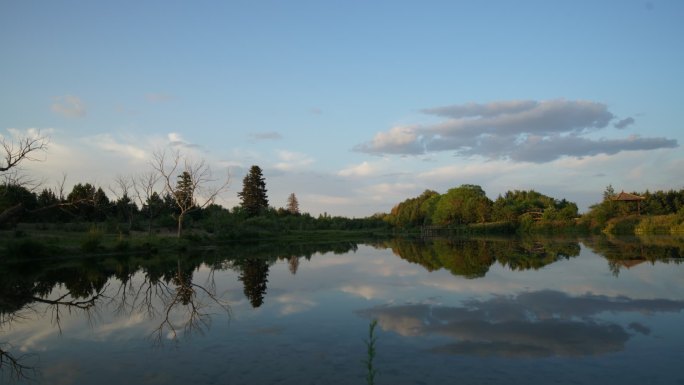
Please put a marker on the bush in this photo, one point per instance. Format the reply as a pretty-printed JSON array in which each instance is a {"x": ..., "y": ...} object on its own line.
[
  {"x": 622, "y": 226},
  {"x": 93, "y": 240}
]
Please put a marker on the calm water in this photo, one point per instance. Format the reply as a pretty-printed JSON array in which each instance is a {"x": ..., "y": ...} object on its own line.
[{"x": 483, "y": 311}]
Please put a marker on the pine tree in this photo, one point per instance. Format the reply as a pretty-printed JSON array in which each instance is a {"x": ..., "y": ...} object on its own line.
[
  {"x": 185, "y": 190},
  {"x": 184, "y": 197},
  {"x": 293, "y": 204},
  {"x": 253, "y": 194}
]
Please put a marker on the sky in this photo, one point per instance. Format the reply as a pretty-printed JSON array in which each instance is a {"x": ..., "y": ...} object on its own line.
[{"x": 353, "y": 106}]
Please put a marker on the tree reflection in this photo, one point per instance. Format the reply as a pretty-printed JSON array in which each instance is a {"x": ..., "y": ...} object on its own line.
[
  {"x": 472, "y": 257},
  {"x": 20, "y": 298},
  {"x": 254, "y": 276},
  {"x": 15, "y": 365},
  {"x": 293, "y": 264},
  {"x": 628, "y": 252},
  {"x": 185, "y": 299},
  {"x": 160, "y": 288}
]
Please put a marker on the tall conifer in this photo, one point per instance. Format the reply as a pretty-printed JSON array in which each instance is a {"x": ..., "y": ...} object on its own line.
[{"x": 253, "y": 194}]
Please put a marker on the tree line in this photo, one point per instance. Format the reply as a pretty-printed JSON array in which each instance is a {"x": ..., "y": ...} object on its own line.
[
  {"x": 178, "y": 192},
  {"x": 174, "y": 195},
  {"x": 468, "y": 204},
  {"x": 529, "y": 210}
]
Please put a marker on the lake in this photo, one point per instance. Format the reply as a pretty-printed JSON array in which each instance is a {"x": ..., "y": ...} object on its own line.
[{"x": 465, "y": 311}]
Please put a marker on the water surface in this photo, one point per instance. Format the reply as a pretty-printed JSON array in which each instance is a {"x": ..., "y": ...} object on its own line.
[{"x": 469, "y": 311}]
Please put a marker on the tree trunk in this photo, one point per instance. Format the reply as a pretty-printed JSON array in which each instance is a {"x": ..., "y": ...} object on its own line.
[{"x": 180, "y": 224}]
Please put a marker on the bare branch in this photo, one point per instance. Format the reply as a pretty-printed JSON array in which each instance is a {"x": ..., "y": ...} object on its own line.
[
  {"x": 21, "y": 149},
  {"x": 198, "y": 178},
  {"x": 18, "y": 369}
]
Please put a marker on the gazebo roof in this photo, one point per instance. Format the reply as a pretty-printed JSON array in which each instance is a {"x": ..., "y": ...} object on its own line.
[{"x": 623, "y": 196}]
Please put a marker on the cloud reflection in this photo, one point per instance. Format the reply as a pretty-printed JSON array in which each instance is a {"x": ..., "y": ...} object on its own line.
[{"x": 533, "y": 324}]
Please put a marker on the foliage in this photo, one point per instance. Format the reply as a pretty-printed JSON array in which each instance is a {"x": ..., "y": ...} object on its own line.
[
  {"x": 463, "y": 205},
  {"x": 659, "y": 214},
  {"x": 93, "y": 240},
  {"x": 514, "y": 205},
  {"x": 414, "y": 211},
  {"x": 12, "y": 194},
  {"x": 253, "y": 195},
  {"x": 469, "y": 205}
]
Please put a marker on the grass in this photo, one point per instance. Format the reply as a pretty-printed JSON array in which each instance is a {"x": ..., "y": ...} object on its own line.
[{"x": 370, "y": 353}]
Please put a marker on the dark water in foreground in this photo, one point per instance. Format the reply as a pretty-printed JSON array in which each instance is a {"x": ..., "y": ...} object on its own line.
[{"x": 484, "y": 311}]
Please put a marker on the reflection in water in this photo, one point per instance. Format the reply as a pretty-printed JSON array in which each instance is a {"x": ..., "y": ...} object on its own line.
[
  {"x": 160, "y": 288},
  {"x": 19, "y": 300},
  {"x": 166, "y": 292},
  {"x": 627, "y": 252},
  {"x": 472, "y": 257},
  {"x": 536, "y": 324},
  {"x": 16, "y": 366},
  {"x": 168, "y": 297},
  {"x": 254, "y": 276}
]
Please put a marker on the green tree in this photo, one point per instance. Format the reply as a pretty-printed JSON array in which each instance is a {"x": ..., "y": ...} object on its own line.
[
  {"x": 253, "y": 195},
  {"x": 153, "y": 206},
  {"x": 609, "y": 193},
  {"x": 414, "y": 211},
  {"x": 184, "y": 196},
  {"x": 14, "y": 200},
  {"x": 89, "y": 203},
  {"x": 464, "y": 204}
]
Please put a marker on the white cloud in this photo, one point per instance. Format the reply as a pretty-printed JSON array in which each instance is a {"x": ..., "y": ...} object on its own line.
[
  {"x": 519, "y": 130},
  {"x": 363, "y": 169},
  {"x": 176, "y": 140},
  {"x": 69, "y": 106},
  {"x": 108, "y": 143},
  {"x": 292, "y": 304},
  {"x": 363, "y": 291},
  {"x": 398, "y": 140},
  {"x": 292, "y": 160}
]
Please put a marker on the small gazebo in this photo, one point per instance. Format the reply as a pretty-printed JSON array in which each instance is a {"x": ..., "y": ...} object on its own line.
[{"x": 627, "y": 197}]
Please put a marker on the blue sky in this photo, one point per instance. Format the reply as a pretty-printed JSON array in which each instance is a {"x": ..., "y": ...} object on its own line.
[{"x": 353, "y": 105}]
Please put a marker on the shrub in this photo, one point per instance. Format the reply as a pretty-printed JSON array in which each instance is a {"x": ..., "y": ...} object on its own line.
[{"x": 93, "y": 240}]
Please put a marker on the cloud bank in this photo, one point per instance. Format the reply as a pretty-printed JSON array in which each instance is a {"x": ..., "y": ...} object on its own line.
[{"x": 518, "y": 130}]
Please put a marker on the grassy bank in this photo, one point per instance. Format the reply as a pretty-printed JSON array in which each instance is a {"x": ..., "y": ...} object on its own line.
[
  {"x": 672, "y": 224},
  {"x": 33, "y": 242}
]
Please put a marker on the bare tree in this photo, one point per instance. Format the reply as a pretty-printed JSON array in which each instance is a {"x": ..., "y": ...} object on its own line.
[
  {"x": 293, "y": 204},
  {"x": 197, "y": 189},
  {"x": 16, "y": 150},
  {"x": 124, "y": 202},
  {"x": 21, "y": 148},
  {"x": 145, "y": 186}
]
